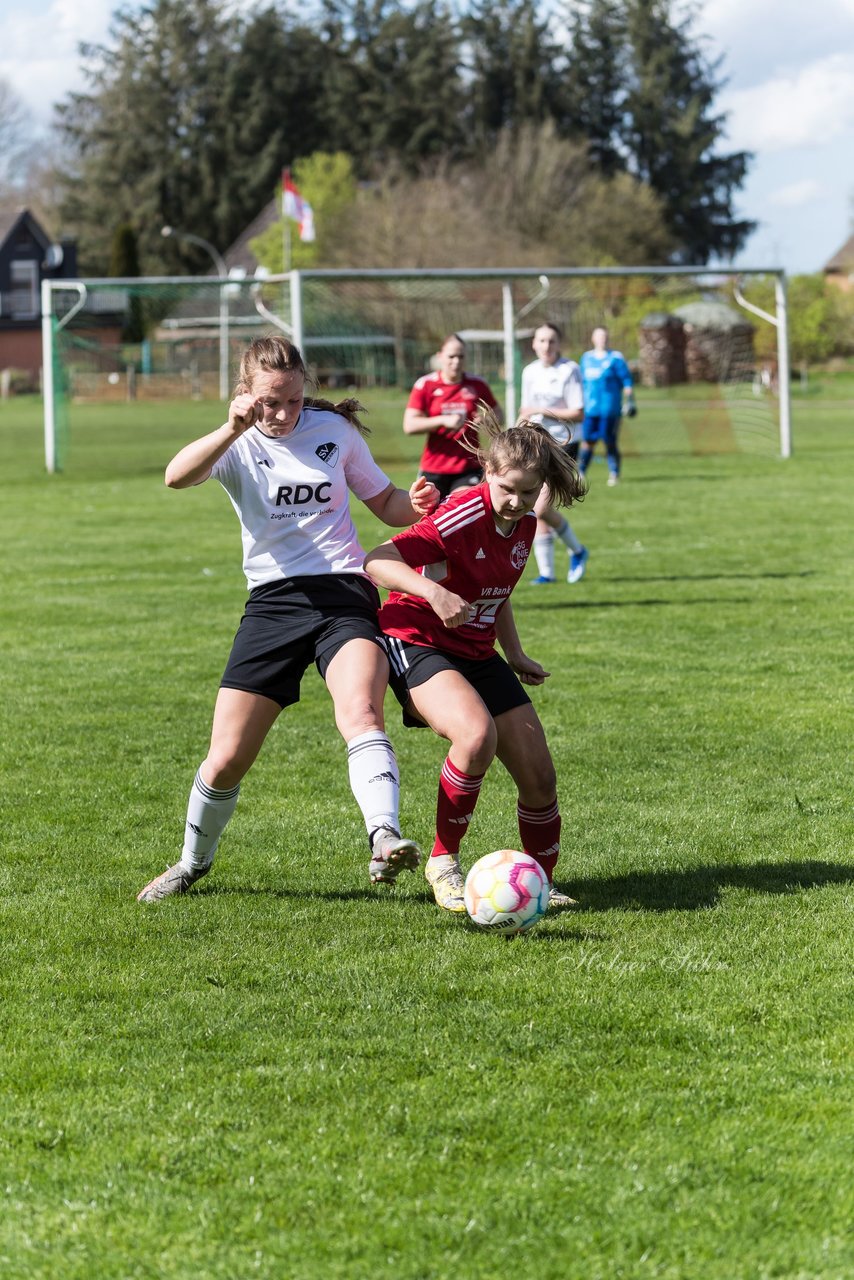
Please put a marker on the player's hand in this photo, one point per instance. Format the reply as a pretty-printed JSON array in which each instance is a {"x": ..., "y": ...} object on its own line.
[
  {"x": 631, "y": 410},
  {"x": 452, "y": 609},
  {"x": 528, "y": 671},
  {"x": 453, "y": 421},
  {"x": 424, "y": 496},
  {"x": 244, "y": 411}
]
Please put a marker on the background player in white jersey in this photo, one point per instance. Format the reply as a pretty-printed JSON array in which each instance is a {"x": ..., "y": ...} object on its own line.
[
  {"x": 288, "y": 465},
  {"x": 451, "y": 577},
  {"x": 552, "y": 395}
]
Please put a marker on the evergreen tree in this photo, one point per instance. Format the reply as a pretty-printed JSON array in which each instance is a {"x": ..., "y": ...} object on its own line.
[
  {"x": 145, "y": 142},
  {"x": 394, "y": 88},
  {"x": 594, "y": 85},
  {"x": 642, "y": 92},
  {"x": 513, "y": 65},
  {"x": 274, "y": 110},
  {"x": 671, "y": 132},
  {"x": 124, "y": 264}
]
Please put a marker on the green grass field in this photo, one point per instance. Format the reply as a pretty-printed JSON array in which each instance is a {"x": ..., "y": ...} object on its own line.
[{"x": 289, "y": 1074}]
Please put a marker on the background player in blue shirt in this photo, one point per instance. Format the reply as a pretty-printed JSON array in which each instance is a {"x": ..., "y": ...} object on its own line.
[{"x": 608, "y": 389}]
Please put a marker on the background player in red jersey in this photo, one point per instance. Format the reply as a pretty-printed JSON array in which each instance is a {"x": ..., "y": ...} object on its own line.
[
  {"x": 445, "y": 404},
  {"x": 450, "y": 578}
]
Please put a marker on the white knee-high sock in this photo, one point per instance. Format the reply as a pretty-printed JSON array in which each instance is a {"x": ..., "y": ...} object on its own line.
[
  {"x": 567, "y": 535},
  {"x": 208, "y": 811},
  {"x": 375, "y": 779},
  {"x": 544, "y": 554}
]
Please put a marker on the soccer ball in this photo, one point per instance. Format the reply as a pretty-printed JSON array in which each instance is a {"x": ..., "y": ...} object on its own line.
[{"x": 506, "y": 891}]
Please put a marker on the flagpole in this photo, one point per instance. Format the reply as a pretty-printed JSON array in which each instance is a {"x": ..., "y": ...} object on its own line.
[
  {"x": 286, "y": 244},
  {"x": 286, "y": 222}
]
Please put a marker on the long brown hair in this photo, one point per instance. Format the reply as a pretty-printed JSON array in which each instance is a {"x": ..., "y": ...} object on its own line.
[{"x": 529, "y": 447}]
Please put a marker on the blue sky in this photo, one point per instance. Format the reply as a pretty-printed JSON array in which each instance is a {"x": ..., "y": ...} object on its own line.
[{"x": 789, "y": 65}]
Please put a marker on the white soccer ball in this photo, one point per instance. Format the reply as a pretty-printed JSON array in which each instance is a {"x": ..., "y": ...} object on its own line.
[{"x": 506, "y": 891}]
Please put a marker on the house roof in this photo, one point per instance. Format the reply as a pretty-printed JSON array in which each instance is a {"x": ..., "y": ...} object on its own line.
[
  {"x": 843, "y": 259},
  {"x": 239, "y": 254},
  {"x": 10, "y": 220},
  {"x": 712, "y": 315}
]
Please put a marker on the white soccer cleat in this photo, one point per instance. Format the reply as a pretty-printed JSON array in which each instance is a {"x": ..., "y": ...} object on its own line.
[
  {"x": 448, "y": 886},
  {"x": 391, "y": 854},
  {"x": 559, "y": 901},
  {"x": 176, "y": 879}
]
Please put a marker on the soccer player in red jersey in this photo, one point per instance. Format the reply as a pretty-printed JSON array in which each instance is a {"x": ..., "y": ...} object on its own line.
[
  {"x": 444, "y": 405},
  {"x": 450, "y": 578}
]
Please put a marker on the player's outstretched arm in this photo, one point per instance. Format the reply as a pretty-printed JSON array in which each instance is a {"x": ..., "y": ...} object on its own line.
[
  {"x": 528, "y": 671},
  {"x": 397, "y": 508},
  {"x": 192, "y": 464}
]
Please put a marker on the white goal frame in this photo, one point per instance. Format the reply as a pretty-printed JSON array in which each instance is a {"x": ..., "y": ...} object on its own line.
[{"x": 294, "y": 326}]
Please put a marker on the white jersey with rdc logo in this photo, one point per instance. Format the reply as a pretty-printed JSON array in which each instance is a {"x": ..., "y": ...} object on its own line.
[
  {"x": 292, "y": 496},
  {"x": 554, "y": 386}
]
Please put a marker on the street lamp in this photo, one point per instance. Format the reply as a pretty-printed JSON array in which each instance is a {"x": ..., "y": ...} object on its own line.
[{"x": 222, "y": 272}]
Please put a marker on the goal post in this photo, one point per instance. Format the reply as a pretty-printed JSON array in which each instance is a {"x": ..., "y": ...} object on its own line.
[
  {"x": 512, "y": 312},
  {"x": 712, "y": 368}
]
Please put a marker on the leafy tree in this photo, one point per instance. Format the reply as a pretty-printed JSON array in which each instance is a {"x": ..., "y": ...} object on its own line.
[
  {"x": 820, "y": 316},
  {"x": 328, "y": 183},
  {"x": 533, "y": 199},
  {"x": 191, "y": 111},
  {"x": 124, "y": 256},
  {"x": 273, "y": 109}
]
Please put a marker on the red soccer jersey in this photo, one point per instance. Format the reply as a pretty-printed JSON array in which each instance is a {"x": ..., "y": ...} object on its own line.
[
  {"x": 459, "y": 546},
  {"x": 431, "y": 396}
]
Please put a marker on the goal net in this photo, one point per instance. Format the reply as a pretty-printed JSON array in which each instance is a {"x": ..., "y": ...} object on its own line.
[{"x": 711, "y": 370}]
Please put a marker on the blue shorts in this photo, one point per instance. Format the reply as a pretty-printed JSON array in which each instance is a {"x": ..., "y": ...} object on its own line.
[{"x": 599, "y": 427}]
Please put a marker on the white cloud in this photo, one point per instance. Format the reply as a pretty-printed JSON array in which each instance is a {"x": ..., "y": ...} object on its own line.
[
  {"x": 796, "y": 194},
  {"x": 39, "y": 46},
  {"x": 810, "y": 107}
]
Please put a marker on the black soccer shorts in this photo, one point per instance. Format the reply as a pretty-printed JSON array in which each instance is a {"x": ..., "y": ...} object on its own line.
[{"x": 292, "y": 622}]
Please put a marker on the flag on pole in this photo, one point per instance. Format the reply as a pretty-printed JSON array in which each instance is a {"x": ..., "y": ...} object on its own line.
[{"x": 294, "y": 206}]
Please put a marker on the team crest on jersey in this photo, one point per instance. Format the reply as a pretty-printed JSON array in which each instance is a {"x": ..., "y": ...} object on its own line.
[
  {"x": 328, "y": 453},
  {"x": 519, "y": 555}
]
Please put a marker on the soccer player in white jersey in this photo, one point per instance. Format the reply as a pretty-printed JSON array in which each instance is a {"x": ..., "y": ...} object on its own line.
[
  {"x": 288, "y": 465},
  {"x": 450, "y": 579},
  {"x": 552, "y": 395}
]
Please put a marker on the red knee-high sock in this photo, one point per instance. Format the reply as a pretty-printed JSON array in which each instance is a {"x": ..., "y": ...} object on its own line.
[
  {"x": 455, "y": 805},
  {"x": 539, "y": 831}
]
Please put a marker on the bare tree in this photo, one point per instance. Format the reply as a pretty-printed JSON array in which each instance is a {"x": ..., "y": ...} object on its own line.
[{"x": 16, "y": 139}]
